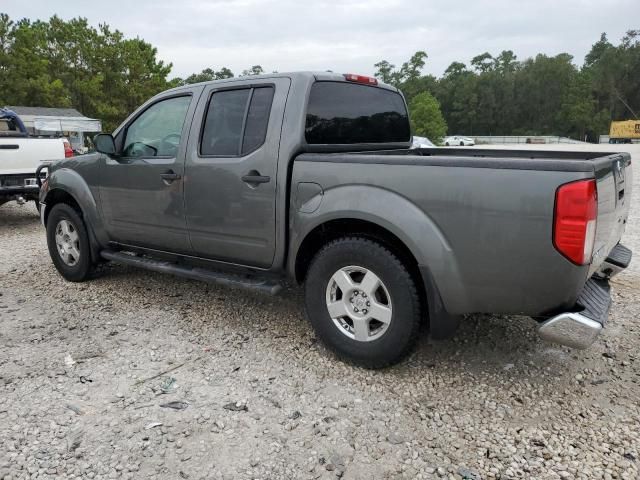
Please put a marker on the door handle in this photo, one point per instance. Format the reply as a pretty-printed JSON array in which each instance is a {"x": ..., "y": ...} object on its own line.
[
  {"x": 170, "y": 177},
  {"x": 256, "y": 179}
]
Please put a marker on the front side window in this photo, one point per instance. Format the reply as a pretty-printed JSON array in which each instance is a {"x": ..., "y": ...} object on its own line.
[
  {"x": 236, "y": 121},
  {"x": 340, "y": 113},
  {"x": 157, "y": 131}
]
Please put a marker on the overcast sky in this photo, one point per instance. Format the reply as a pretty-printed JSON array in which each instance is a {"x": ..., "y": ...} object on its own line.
[{"x": 345, "y": 35}]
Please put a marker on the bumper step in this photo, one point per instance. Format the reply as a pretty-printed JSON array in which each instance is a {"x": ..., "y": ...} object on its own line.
[
  {"x": 619, "y": 256},
  {"x": 271, "y": 287},
  {"x": 595, "y": 300},
  {"x": 579, "y": 328}
]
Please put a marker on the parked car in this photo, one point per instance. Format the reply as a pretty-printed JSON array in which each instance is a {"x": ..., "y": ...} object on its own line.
[
  {"x": 20, "y": 155},
  {"x": 459, "y": 141},
  {"x": 310, "y": 177},
  {"x": 421, "y": 142}
]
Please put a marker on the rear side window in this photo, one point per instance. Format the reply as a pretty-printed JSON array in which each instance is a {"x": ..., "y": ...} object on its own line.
[
  {"x": 236, "y": 121},
  {"x": 257, "y": 119},
  {"x": 345, "y": 113}
]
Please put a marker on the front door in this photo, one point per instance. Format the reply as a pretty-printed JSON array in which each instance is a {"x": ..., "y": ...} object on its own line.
[
  {"x": 141, "y": 189},
  {"x": 230, "y": 184}
]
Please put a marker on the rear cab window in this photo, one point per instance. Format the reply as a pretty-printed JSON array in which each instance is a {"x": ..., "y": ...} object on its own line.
[{"x": 341, "y": 113}]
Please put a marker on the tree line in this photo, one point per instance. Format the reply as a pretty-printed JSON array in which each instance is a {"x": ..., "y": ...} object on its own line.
[
  {"x": 98, "y": 71},
  {"x": 543, "y": 95},
  {"x": 58, "y": 63}
]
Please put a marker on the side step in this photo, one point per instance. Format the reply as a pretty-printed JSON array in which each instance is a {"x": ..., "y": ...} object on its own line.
[{"x": 268, "y": 286}]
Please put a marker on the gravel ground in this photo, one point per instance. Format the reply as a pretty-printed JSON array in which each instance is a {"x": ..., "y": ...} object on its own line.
[{"x": 89, "y": 374}]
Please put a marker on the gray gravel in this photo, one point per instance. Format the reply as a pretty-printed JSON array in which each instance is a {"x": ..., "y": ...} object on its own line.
[{"x": 139, "y": 375}]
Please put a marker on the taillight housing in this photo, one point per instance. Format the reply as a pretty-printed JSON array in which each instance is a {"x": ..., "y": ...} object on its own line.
[
  {"x": 575, "y": 218},
  {"x": 68, "y": 151}
]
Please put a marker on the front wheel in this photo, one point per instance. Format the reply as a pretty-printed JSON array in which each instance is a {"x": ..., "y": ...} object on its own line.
[
  {"x": 68, "y": 243},
  {"x": 362, "y": 302}
]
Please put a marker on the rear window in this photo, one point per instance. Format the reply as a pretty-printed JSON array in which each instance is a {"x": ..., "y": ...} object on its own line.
[{"x": 341, "y": 113}]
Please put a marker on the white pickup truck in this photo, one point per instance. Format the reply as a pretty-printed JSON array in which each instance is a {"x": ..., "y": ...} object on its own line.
[{"x": 21, "y": 155}]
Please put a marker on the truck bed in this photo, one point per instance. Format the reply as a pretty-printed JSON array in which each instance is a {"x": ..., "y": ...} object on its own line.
[{"x": 487, "y": 207}]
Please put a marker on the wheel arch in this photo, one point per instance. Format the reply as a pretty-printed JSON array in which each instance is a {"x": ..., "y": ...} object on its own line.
[
  {"x": 67, "y": 186},
  {"x": 336, "y": 228},
  {"x": 392, "y": 220}
]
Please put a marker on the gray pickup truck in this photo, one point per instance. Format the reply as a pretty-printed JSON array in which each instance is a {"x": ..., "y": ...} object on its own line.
[{"x": 253, "y": 181}]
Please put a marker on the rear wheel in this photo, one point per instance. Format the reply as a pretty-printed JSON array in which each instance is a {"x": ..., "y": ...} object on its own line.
[
  {"x": 447, "y": 144},
  {"x": 462, "y": 144},
  {"x": 68, "y": 243},
  {"x": 362, "y": 302}
]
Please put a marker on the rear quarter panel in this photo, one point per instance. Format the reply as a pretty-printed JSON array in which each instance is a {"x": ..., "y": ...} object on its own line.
[{"x": 485, "y": 234}]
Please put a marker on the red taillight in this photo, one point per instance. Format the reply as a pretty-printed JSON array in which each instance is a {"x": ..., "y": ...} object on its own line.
[
  {"x": 68, "y": 151},
  {"x": 351, "y": 77},
  {"x": 576, "y": 213}
]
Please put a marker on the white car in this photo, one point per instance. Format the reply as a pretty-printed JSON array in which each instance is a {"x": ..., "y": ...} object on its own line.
[
  {"x": 421, "y": 142},
  {"x": 457, "y": 140}
]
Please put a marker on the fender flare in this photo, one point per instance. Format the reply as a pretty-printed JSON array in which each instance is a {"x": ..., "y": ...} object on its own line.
[
  {"x": 396, "y": 214},
  {"x": 72, "y": 183}
]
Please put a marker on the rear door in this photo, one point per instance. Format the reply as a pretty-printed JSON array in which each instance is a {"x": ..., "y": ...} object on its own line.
[
  {"x": 231, "y": 167},
  {"x": 141, "y": 190}
]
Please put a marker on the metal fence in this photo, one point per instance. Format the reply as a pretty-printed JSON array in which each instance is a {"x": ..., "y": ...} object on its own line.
[
  {"x": 605, "y": 139},
  {"x": 514, "y": 139}
]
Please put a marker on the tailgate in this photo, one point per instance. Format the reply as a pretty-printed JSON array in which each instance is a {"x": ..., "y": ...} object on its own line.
[{"x": 614, "y": 180}]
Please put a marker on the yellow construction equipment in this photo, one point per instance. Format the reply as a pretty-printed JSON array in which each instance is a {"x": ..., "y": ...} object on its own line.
[{"x": 624, "y": 131}]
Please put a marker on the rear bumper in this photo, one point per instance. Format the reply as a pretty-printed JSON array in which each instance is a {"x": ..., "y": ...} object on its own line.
[
  {"x": 579, "y": 327},
  {"x": 16, "y": 185}
]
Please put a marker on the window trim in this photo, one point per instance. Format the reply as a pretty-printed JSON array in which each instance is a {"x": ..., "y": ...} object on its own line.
[
  {"x": 125, "y": 130},
  {"x": 252, "y": 87}
]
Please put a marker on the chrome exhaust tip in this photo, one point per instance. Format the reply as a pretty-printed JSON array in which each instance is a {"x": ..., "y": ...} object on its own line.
[{"x": 570, "y": 329}]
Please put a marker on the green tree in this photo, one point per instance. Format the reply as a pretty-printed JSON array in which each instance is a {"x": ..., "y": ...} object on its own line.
[
  {"x": 62, "y": 63},
  {"x": 408, "y": 72},
  {"x": 255, "y": 70},
  {"x": 385, "y": 71},
  {"x": 206, "y": 75},
  {"x": 483, "y": 63},
  {"x": 426, "y": 117},
  {"x": 577, "y": 113}
]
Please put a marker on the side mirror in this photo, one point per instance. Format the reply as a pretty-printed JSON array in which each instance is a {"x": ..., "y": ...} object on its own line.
[{"x": 105, "y": 144}]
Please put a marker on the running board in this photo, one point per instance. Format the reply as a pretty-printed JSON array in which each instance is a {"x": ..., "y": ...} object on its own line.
[{"x": 268, "y": 286}]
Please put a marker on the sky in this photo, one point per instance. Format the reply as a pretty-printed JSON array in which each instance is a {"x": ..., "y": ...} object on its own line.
[{"x": 347, "y": 36}]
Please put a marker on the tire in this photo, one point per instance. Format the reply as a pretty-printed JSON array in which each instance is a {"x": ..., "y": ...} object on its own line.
[
  {"x": 76, "y": 265},
  {"x": 377, "y": 344},
  {"x": 462, "y": 144},
  {"x": 447, "y": 144}
]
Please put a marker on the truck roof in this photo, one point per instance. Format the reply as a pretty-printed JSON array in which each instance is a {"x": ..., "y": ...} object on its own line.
[{"x": 310, "y": 76}]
